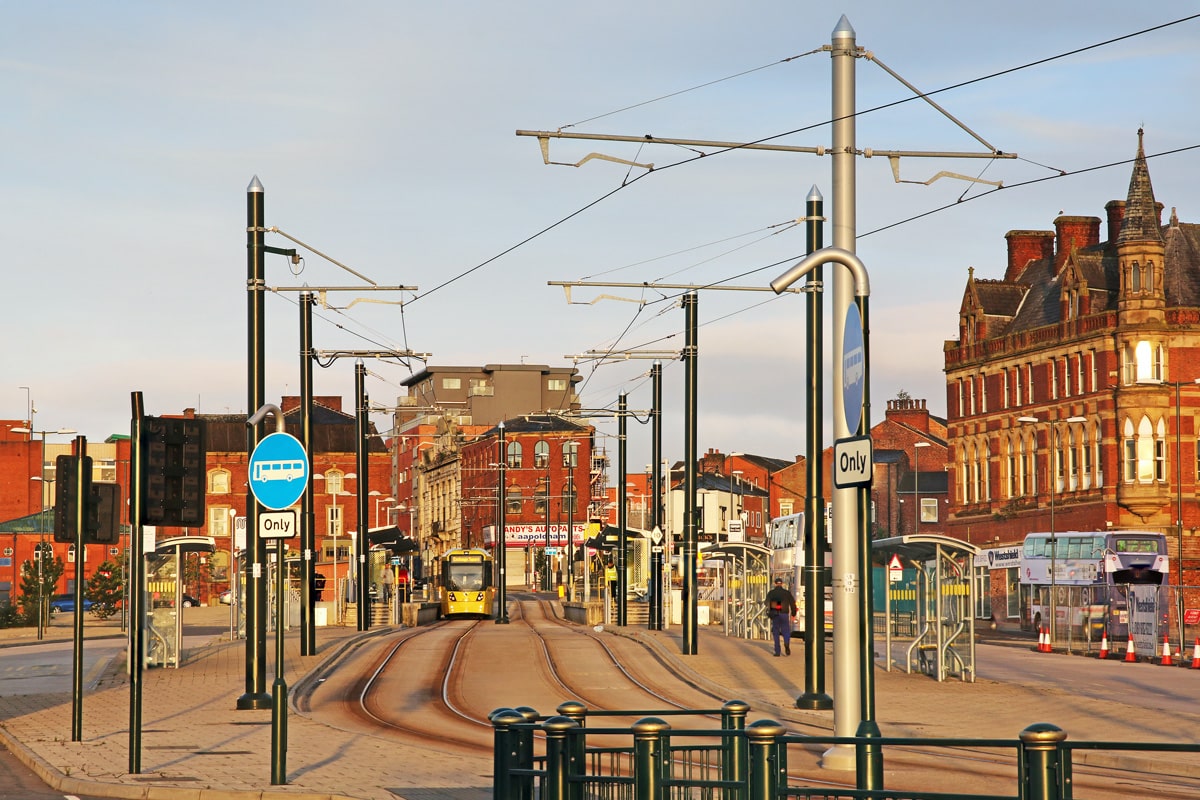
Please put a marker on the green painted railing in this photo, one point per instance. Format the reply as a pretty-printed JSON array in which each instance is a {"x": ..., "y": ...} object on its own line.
[{"x": 736, "y": 761}]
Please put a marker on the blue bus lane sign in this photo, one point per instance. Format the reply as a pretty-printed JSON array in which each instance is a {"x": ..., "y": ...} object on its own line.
[{"x": 278, "y": 471}]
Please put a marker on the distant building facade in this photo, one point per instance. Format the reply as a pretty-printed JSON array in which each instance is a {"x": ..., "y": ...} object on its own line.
[{"x": 1071, "y": 389}]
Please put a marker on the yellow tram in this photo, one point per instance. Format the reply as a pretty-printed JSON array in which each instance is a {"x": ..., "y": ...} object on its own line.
[{"x": 468, "y": 589}]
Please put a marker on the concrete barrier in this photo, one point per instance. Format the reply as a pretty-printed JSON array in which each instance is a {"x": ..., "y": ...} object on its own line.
[{"x": 413, "y": 615}]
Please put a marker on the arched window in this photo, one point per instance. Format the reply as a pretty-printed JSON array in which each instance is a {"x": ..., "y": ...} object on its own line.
[
  {"x": 541, "y": 454},
  {"x": 218, "y": 481},
  {"x": 1160, "y": 452},
  {"x": 514, "y": 500},
  {"x": 541, "y": 498},
  {"x": 514, "y": 455},
  {"x": 1010, "y": 466}
]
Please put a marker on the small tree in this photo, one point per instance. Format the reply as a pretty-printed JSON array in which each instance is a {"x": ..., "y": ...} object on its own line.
[
  {"x": 52, "y": 568},
  {"x": 104, "y": 589}
]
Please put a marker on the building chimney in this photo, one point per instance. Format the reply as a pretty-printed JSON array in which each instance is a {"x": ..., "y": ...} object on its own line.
[
  {"x": 1077, "y": 232},
  {"x": 1115, "y": 209},
  {"x": 1026, "y": 246},
  {"x": 909, "y": 412}
]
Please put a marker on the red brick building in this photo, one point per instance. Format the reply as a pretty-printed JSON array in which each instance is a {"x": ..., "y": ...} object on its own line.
[{"x": 1071, "y": 389}]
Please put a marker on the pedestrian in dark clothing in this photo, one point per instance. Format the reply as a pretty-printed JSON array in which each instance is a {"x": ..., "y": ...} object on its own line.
[{"x": 781, "y": 610}]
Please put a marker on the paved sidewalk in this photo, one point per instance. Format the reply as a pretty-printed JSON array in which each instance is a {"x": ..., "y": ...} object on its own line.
[{"x": 197, "y": 746}]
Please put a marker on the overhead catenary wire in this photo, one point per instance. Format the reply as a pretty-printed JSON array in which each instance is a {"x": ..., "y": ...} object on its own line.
[{"x": 922, "y": 96}]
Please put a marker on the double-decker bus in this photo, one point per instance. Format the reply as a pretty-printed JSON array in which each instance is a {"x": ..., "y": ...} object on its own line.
[
  {"x": 787, "y": 562},
  {"x": 1114, "y": 581}
]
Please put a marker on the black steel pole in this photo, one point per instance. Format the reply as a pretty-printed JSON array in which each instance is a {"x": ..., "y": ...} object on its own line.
[
  {"x": 279, "y": 687},
  {"x": 545, "y": 582},
  {"x": 622, "y": 510},
  {"x": 656, "y": 523},
  {"x": 255, "y": 695},
  {"x": 501, "y": 538},
  {"x": 571, "y": 495},
  {"x": 83, "y": 485},
  {"x": 869, "y": 756},
  {"x": 813, "y": 574},
  {"x": 308, "y": 628},
  {"x": 688, "y": 553},
  {"x": 137, "y": 577},
  {"x": 362, "y": 575}
]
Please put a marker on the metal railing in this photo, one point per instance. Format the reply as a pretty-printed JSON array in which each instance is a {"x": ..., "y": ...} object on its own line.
[{"x": 737, "y": 761}]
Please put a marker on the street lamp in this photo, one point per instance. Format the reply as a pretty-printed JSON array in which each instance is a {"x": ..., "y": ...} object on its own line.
[
  {"x": 571, "y": 455},
  {"x": 379, "y": 500},
  {"x": 333, "y": 526},
  {"x": 1053, "y": 464},
  {"x": 1178, "y": 491},
  {"x": 917, "y": 485},
  {"x": 41, "y": 477}
]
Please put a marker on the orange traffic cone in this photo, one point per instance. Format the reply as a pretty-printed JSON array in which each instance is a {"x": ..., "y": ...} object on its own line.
[
  {"x": 1196, "y": 655},
  {"x": 1104, "y": 645},
  {"x": 1166, "y": 653},
  {"x": 1130, "y": 655},
  {"x": 1041, "y": 647}
]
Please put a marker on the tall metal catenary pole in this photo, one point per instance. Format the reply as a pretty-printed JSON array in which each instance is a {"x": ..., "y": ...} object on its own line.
[
  {"x": 83, "y": 483},
  {"x": 847, "y": 710},
  {"x": 137, "y": 575},
  {"x": 814, "y": 696},
  {"x": 501, "y": 557},
  {"x": 656, "y": 520},
  {"x": 362, "y": 574},
  {"x": 688, "y": 554},
  {"x": 622, "y": 509},
  {"x": 308, "y": 635},
  {"x": 255, "y": 695}
]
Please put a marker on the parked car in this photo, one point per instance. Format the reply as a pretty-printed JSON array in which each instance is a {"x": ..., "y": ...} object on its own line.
[
  {"x": 226, "y": 597},
  {"x": 188, "y": 601},
  {"x": 66, "y": 602}
]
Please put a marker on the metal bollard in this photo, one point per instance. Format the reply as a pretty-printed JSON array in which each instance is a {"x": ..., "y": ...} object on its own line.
[
  {"x": 1043, "y": 763},
  {"x": 649, "y": 758},
  {"x": 523, "y": 787},
  {"x": 733, "y": 762},
  {"x": 558, "y": 757},
  {"x": 505, "y": 751},
  {"x": 574, "y": 709},
  {"x": 765, "y": 767}
]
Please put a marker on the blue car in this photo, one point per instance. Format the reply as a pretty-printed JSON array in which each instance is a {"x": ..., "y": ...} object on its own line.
[{"x": 66, "y": 602}]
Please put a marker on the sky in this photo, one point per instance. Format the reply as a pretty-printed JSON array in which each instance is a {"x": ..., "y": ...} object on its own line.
[{"x": 384, "y": 135}]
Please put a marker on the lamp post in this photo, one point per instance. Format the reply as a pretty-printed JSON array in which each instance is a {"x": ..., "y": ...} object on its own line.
[
  {"x": 379, "y": 500},
  {"x": 570, "y": 456},
  {"x": 41, "y": 478},
  {"x": 1178, "y": 492},
  {"x": 545, "y": 582},
  {"x": 333, "y": 526},
  {"x": 917, "y": 485},
  {"x": 1053, "y": 463}
]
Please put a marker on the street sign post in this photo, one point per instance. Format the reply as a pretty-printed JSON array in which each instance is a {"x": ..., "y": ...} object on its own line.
[
  {"x": 852, "y": 462},
  {"x": 277, "y": 524},
  {"x": 278, "y": 471}
]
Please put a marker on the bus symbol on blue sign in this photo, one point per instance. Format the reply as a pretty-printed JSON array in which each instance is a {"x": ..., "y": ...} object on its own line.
[
  {"x": 278, "y": 471},
  {"x": 854, "y": 369}
]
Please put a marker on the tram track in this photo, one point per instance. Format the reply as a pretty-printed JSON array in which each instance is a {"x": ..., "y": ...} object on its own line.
[{"x": 433, "y": 687}]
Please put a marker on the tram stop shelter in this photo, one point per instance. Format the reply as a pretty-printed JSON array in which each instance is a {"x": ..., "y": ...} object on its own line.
[
  {"x": 942, "y": 639},
  {"x": 390, "y": 548},
  {"x": 741, "y": 583},
  {"x": 163, "y": 597}
]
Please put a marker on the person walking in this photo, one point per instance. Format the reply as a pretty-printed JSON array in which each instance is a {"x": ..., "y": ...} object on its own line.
[{"x": 781, "y": 610}]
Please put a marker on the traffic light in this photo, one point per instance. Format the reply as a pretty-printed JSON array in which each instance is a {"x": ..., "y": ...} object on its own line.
[
  {"x": 66, "y": 494},
  {"x": 104, "y": 515},
  {"x": 173, "y": 471}
]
